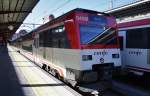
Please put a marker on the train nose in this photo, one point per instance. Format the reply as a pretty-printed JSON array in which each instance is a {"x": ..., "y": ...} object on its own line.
[
  {"x": 104, "y": 70},
  {"x": 90, "y": 76}
]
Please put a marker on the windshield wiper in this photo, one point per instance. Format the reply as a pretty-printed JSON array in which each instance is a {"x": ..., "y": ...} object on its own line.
[{"x": 98, "y": 36}]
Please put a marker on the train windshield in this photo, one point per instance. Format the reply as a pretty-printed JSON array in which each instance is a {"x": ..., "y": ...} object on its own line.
[
  {"x": 88, "y": 32},
  {"x": 97, "y": 35}
]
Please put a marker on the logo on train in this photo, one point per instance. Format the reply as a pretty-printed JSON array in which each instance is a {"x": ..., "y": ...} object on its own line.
[
  {"x": 101, "y": 53},
  {"x": 101, "y": 60},
  {"x": 82, "y": 18},
  {"x": 135, "y": 53}
]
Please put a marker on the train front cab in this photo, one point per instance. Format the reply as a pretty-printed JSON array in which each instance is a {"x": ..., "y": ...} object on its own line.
[
  {"x": 98, "y": 48},
  {"x": 93, "y": 50}
]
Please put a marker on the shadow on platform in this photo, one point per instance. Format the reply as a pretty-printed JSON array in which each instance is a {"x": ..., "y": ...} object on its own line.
[{"x": 9, "y": 82}]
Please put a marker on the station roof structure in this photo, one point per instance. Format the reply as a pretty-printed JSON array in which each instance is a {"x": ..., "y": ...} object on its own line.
[
  {"x": 139, "y": 7},
  {"x": 13, "y": 13}
]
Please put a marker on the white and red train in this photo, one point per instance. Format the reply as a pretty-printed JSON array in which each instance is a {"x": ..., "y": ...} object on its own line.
[
  {"x": 79, "y": 46},
  {"x": 135, "y": 45}
]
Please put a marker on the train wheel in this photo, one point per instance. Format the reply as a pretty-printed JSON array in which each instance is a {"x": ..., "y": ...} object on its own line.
[
  {"x": 44, "y": 66},
  {"x": 49, "y": 68},
  {"x": 18, "y": 51},
  {"x": 58, "y": 76},
  {"x": 53, "y": 72}
]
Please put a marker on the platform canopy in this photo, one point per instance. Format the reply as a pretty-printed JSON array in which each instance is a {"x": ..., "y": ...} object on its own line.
[
  {"x": 13, "y": 13},
  {"x": 136, "y": 8}
]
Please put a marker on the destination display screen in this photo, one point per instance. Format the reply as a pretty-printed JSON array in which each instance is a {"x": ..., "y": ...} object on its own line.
[{"x": 92, "y": 19}]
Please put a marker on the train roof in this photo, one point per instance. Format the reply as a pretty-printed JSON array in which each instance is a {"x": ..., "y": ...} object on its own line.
[
  {"x": 63, "y": 16},
  {"x": 68, "y": 13},
  {"x": 89, "y": 11},
  {"x": 139, "y": 22}
]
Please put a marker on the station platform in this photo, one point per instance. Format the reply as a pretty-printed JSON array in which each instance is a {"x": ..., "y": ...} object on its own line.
[{"x": 20, "y": 77}]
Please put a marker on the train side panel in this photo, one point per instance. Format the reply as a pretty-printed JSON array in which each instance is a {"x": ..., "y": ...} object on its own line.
[
  {"x": 135, "y": 50},
  {"x": 68, "y": 58}
]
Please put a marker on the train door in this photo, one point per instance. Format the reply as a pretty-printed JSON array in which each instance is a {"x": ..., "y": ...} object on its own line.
[
  {"x": 41, "y": 48},
  {"x": 122, "y": 41},
  {"x": 48, "y": 50},
  {"x": 35, "y": 47},
  {"x": 35, "y": 44},
  {"x": 44, "y": 44}
]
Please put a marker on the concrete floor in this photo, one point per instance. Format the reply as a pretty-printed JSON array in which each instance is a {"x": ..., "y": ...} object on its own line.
[{"x": 20, "y": 77}]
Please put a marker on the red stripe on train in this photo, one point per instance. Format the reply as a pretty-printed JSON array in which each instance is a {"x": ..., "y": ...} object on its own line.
[{"x": 134, "y": 23}]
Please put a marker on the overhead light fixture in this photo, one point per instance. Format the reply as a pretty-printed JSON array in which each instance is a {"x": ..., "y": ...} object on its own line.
[{"x": 10, "y": 27}]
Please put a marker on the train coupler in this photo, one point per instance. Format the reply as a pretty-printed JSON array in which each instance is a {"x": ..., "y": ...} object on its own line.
[
  {"x": 87, "y": 91},
  {"x": 95, "y": 89}
]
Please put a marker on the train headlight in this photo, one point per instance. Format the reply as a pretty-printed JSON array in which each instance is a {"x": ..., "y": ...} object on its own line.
[
  {"x": 115, "y": 55},
  {"x": 86, "y": 57}
]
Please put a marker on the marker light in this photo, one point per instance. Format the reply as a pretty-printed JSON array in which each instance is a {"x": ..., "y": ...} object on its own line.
[{"x": 86, "y": 57}]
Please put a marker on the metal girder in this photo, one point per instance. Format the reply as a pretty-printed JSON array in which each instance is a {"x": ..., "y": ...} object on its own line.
[
  {"x": 6, "y": 29},
  {"x": 20, "y": 9},
  {"x": 141, "y": 9},
  {"x": 125, "y": 11},
  {"x": 14, "y": 12},
  {"x": 10, "y": 23},
  {"x": 7, "y": 12}
]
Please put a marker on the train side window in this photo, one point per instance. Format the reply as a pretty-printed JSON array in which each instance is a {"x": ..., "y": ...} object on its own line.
[
  {"x": 55, "y": 43},
  {"x": 59, "y": 43},
  {"x": 49, "y": 38},
  {"x": 45, "y": 39},
  {"x": 35, "y": 43},
  {"x": 41, "y": 39},
  {"x": 137, "y": 38},
  {"x": 63, "y": 43},
  {"x": 59, "y": 37},
  {"x": 121, "y": 42},
  {"x": 55, "y": 37}
]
